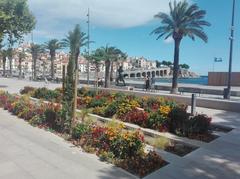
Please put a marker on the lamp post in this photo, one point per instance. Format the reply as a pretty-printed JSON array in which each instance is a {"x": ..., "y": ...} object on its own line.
[{"x": 227, "y": 91}]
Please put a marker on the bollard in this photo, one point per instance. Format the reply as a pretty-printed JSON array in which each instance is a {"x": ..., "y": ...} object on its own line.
[{"x": 193, "y": 104}]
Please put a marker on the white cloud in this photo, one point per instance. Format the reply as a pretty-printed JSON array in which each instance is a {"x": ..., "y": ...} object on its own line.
[
  {"x": 57, "y": 16},
  {"x": 168, "y": 40}
]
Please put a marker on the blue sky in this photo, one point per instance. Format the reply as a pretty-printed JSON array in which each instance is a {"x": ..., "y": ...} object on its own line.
[{"x": 126, "y": 24}]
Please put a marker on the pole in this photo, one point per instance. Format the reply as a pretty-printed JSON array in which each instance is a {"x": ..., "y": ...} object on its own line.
[
  {"x": 88, "y": 22},
  {"x": 227, "y": 92},
  {"x": 193, "y": 105}
]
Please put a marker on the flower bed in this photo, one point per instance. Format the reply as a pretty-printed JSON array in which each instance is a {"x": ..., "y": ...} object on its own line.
[
  {"x": 155, "y": 113},
  {"x": 110, "y": 142}
]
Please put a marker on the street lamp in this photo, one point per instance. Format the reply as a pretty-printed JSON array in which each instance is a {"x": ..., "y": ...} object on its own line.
[{"x": 227, "y": 91}]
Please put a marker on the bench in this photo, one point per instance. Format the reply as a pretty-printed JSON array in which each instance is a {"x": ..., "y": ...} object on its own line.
[{"x": 190, "y": 90}]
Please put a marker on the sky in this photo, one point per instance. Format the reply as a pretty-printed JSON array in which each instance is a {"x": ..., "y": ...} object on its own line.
[{"x": 127, "y": 24}]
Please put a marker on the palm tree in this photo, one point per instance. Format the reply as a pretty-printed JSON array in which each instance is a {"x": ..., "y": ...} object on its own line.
[
  {"x": 107, "y": 54},
  {"x": 184, "y": 20},
  {"x": 35, "y": 51},
  {"x": 53, "y": 45},
  {"x": 75, "y": 40},
  {"x": 4, "y": 55},
  {"x": 96, "y": 59},
  {"x": 118, "y": 57},
  {"x": 10, "y": 53},
  {"x": 21, "y": 56}
]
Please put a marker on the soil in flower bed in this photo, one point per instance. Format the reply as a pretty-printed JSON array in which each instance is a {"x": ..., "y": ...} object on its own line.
[
  {"x": 219, "y": 128},
  {"x": 209, "y": 137},
  {"x": 171, "y": 146}
]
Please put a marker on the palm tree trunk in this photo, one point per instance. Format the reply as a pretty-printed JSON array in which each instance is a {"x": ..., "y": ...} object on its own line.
[
  {"x": 176, "y": 67},
  {"x": 20, "y": 68},
  {"x": 107, "y": 74},
  {"x": 52, "y": 64},
  {"x": 34, "y": 69},
  {"x": 4, "y": 66},
  {"x": 111, "y": 71},
  {"x": 10, "y": 65}
]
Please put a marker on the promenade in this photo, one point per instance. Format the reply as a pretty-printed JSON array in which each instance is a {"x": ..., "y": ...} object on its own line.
[{"x": 31, "y": 153}]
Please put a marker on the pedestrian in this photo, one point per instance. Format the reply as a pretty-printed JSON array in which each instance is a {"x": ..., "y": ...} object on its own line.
[
  {"x": 153, "y": 83},
  {"x": 147, "y": 83}
]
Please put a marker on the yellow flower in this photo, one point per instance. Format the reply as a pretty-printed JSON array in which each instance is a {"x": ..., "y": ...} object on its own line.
[{"x": 165, "y": 110}]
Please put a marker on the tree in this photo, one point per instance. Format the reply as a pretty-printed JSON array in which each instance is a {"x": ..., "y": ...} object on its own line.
[
  {"x": 16, "y": 21},
  {"x": 21, "y": 56},
  {"x": 184, "y": 20},
  {"x": 35, "y": 51},
  {"x": 95, "y": 58},
  {"x": 158, "y": 64},
  {"x": 107, "y": 54},
  {"x": 185, "y": 66},
  {"x": 74, "y": 40},
  {"x": 53, "y": 45},
  {"x": 117, "y": 57},
  {"x": 4, "y": 55}
]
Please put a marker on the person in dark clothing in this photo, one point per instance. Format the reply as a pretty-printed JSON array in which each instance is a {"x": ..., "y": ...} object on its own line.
[{"x": 147, "y": 83}]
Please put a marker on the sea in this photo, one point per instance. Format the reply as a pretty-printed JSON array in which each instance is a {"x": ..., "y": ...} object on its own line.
[{"x": 202, "y": 80}]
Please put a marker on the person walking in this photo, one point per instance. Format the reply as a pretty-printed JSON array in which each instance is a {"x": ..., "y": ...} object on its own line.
[
  {"x": 147, "y": 83},
  {"x": 153, "y": 83}
]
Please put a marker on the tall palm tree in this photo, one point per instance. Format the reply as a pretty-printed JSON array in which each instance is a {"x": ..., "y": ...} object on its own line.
[
  {"x": 53, "y": 45},
  {"x": 4, "y": 55},
  {"x": 107, "y": 54},
  {"x": 10, "y": 54},
  {"x": 21, "y": 57},
  {"x": 96, "y": 59},
  {"x": 75, "y": 40},
  {"x": 184, "y": 20},
  {"x": 35, "y": 50},
  {"x": 118, "y": 57}
]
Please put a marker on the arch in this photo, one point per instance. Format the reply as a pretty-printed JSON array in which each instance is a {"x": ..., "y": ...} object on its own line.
[
  {"x": 144, "y": 74},
  {"x": 153, "y": 73},
  {"x": 138, "y": 75},
  {"x": 161, "y": 73},
  {"x": 149, "y": 74},
  {"x": 157, "y": 73},
  {"x": 132, "y": 75},
  {"x": 165, "y": 72},
  {"x": 126, "y": 76}
]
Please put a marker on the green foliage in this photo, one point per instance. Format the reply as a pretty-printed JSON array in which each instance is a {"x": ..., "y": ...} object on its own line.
[
  {"x": 27, "y": 90},
  {"x": 80, "y": 130},
  {"x": 178, "y": 121},
  {"x": 199, "y": 124},
  {"x": 16, "y": 19},
  {"x": 111, "y": 109},
  {"x": 46, "y": 94}
]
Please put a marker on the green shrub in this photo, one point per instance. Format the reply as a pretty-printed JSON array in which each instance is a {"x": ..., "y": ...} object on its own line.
[
  {"x": 80, "y": 130},
  {"x": 27, "y": 90},
  {"x": 179, "y": 120},
  {"x": 199, "y": 124},
  {"x": 111, "y": 109},
  {"x": 97, "y": 102}
]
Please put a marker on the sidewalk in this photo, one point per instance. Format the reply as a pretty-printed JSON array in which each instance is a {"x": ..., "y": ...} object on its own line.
[
  {"x": 31, "y": 153},
  {"x": 219, "y": 159}
]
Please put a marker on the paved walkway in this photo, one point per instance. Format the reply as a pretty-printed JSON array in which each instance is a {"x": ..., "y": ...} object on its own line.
[
  {"x": 219, "y": 159},
  {"x": 31, "y": 153},
  {"x": 27, "y": 152}
]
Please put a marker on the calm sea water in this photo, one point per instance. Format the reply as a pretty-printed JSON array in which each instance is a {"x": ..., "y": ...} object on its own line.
[{"x": 203, "y": 80}]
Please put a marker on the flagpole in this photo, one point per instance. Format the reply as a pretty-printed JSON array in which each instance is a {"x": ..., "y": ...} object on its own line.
[{"x": 88, "y": 63}]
